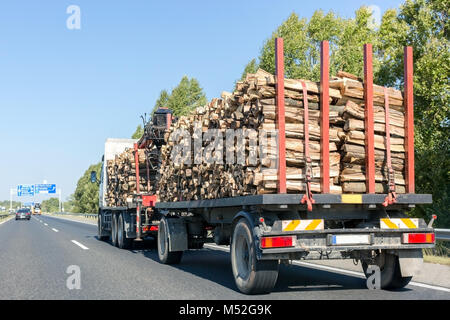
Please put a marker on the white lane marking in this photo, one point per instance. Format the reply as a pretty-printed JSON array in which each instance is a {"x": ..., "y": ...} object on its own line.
[
  {"x": 80, "y": 245},
  {"x": 217, "y": 247},
  {"x": 353, "y": 273},
  {"x": 424, "y": 285},
  {"x": 318, "y": 266},
  {"x": 68, "y": 219},
  {"x": 55, "y": 230},
  {"x": 45, "y": 224}
]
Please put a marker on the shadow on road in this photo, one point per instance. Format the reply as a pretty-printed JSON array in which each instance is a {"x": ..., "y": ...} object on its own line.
[{"x": 214, "y": 265}]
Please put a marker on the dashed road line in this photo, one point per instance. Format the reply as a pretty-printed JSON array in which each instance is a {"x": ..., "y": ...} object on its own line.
[
  {"x": 80, "y": 245},
  {"x": 56, "y": 230}
]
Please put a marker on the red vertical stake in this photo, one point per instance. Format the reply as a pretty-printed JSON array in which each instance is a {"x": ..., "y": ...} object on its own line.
[
  {"x": 138, "y": 209},
  {"x": 369, "y": 119},
  {"x": 325, "y": 116},
  {"x": 409, "y": 120},
  {"x": 279, "y": 65},
  {"x": 136, "y": 162}
]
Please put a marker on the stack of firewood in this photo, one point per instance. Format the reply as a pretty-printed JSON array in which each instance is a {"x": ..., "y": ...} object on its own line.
[
  {"x": 122, "y": 182},
  {"x": 352, "y": 176},
  {"x": 252, "y": 107}
]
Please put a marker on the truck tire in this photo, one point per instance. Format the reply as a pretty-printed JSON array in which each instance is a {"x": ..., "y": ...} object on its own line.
[
  {"x": 114, "y": 229},
  {"x": 164, "y": 255},
  {"x": 390, "y": 276},
  {"x": 101, "y": 231},
  {"x": 122, "y": 241},
  {"x": 252, "y": 276}
]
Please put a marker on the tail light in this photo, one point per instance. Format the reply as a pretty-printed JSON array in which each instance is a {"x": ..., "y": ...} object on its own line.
[
  {"x": 151, "y": 228},
  {"x": 277, "y": 242},
  {"x": 418, "y": 238}
]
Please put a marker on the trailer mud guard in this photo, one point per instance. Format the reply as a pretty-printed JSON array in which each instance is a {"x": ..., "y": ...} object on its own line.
[
  {"x": 245, "y": 215},
  {"x": 178, "y": 237},
  {"x": 410, "y": 262}
]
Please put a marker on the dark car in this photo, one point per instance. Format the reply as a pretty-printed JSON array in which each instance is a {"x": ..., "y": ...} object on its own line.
[{"x": 23, "y": 214}]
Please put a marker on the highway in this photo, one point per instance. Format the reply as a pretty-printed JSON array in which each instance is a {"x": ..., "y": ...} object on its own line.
[{"x": 36, "y": 254}]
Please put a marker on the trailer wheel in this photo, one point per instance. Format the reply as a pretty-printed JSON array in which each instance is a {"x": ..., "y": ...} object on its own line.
[
  {"x": 100, "y": 228},
  {"x": 122, "y": 241},
  {"x": 252, "y": 276},
  {"x": 164, "y": 255},
  {"x": 390, "y": 276},
  {"x": 114, "y": 229}
]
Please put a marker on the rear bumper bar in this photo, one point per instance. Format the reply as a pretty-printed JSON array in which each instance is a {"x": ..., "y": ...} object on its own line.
[{"x": 321, "y": 241}]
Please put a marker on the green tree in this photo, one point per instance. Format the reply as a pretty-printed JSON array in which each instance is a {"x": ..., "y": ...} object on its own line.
[
  {"x": 51, "y": 205},
  {"x": 424, "y": 25},
  {"x": 69, "y": 205},
  {"x": 162, "y": 101},
  {"x": 251, "y": 67},
  {"x": 86, "y": 197},
  {"x": 302, "y": 40},
  {"x": 138, "y": 133},
  {"x": 186, "y": 96}
]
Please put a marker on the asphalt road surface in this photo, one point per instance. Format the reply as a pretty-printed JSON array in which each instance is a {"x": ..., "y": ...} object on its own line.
[{"x": 35, "y": 256}]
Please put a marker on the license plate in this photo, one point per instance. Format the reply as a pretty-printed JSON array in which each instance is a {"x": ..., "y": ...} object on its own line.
[{"x": 350, "y": 239}]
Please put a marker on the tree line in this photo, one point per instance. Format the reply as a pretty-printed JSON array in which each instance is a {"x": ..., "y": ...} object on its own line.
[{"x": 422, "y": 24}]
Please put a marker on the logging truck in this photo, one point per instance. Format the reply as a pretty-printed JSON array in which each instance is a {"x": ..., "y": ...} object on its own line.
[{"x": 265, "y": 230}]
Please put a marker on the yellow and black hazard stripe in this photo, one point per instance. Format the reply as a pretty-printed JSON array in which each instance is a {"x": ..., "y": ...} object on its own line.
[
  {"x": 302, "y": 225},
  {"x": 399, "y": 223}
]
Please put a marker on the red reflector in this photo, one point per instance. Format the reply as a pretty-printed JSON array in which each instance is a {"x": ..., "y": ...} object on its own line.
[
  {"x": 153, "y": 228},
  {"x": 418, "y": 238},
  {"x": 277, "y": 242}
]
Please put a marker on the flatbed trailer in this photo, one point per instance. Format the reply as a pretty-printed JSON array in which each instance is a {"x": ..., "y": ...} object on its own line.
[{"x": 266, "y": 230}]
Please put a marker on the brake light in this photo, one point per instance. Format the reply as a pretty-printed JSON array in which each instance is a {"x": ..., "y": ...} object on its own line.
[
  {"x": 277, "y": 242},
  {"x": 418, "y": 238},
  {"x": 147, "y": 228}
]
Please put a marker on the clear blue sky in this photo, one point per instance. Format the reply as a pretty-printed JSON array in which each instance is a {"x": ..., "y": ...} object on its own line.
[{"x": 63, "y": 92}]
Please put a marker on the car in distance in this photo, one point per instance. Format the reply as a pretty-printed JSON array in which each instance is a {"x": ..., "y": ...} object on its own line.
[
  {"x": 36, "y": 209},
  {"x": 23, "y": 213}
]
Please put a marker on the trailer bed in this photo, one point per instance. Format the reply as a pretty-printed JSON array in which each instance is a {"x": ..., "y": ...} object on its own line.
[{"x": 294, "y": 199}]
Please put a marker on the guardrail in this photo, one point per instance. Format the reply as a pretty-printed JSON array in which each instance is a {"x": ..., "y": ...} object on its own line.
[
  {"x": 86, "y": 215},
  {"x": 442, "y": 234},
  {"x": 5, "y": 215}
]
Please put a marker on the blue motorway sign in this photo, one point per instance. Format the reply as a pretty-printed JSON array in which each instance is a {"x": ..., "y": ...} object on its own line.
[
  {"x": 45, "y": 188},
  {"x": 25, "y": 190}
]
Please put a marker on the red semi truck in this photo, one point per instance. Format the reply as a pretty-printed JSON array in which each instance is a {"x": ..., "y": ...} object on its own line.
[{"x": 265, "y": 230}]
